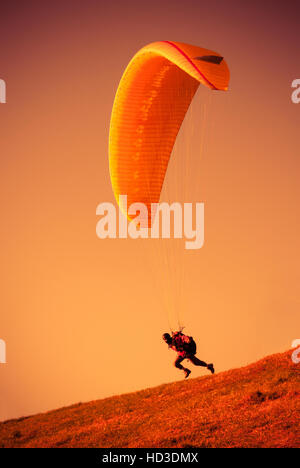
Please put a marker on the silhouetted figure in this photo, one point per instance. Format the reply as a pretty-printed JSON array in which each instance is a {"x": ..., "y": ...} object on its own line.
[{"x": 186, "y": 348}]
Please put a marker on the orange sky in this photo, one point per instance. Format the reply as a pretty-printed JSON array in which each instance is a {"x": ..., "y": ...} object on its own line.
[{"x": 82, "y": 318}]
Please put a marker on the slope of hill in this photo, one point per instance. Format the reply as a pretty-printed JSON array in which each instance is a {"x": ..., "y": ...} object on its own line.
[{"x": 255, "y": 406}]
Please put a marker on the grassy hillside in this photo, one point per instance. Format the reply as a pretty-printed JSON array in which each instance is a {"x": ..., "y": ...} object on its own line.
[{"x": 255, "y": 406}]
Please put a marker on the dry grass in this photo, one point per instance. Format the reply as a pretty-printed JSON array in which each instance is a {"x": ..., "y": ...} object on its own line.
[{"x": 255, "y": 406}]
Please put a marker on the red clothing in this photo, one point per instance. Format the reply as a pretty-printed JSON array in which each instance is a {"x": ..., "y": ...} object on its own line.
[
  {"x": 179, "y": 342},
  {"x": 179, "y": 353}
]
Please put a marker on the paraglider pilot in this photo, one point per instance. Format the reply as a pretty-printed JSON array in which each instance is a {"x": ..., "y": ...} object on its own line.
[{"x": 186, "y": 348}]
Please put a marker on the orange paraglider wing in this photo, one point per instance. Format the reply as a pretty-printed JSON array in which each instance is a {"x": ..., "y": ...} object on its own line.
[{"x": 152, "y": 99}]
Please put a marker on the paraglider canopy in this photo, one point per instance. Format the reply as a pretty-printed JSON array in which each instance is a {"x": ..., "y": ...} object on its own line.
[{"x": 152, "y": 99}]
